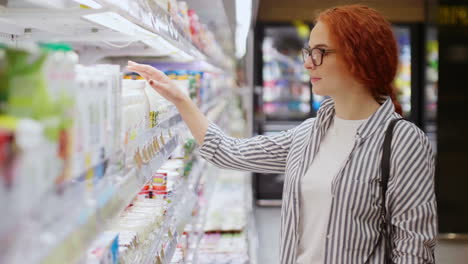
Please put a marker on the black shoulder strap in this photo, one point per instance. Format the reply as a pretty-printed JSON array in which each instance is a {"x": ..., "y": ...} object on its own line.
[
  {"x": 385, "y": 169},
  {"x": 386, "y": 152}
]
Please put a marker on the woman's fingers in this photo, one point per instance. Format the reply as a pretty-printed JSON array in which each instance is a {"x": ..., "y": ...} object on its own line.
[
  {"x": 146, "y": 70},
  {"x": 138, "y": 70},
  {"x": 141, "y": 73},
  {"x": 156, "y": 86},
  {"x": 157, "y": 79}
]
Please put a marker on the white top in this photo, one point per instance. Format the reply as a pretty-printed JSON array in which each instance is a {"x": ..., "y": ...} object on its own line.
[{"x": 316, "y": 195}]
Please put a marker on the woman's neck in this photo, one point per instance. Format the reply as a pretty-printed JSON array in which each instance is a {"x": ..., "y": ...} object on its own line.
[{"x": 355, "y": 106}]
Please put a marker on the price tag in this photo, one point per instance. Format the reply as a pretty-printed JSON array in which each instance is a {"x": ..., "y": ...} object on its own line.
[
  {"x": 89, "y": 170},
  {"x": 150, "y": 152},
  {"x": 156, "y": 144},
  {"x": 138, "y": 159}
]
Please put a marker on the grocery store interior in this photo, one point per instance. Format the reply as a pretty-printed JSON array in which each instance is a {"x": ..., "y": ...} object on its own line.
[{"x": 98, "y": 167}]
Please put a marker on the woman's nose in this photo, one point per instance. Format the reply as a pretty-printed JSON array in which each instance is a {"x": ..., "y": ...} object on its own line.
[{"x": 308, "y": 64}]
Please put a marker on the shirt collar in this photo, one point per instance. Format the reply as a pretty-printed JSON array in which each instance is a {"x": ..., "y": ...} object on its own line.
[{"x": 326, "y": 114}]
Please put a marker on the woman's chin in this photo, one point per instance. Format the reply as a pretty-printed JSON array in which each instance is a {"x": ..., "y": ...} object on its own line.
[{"x": 317, "y": 90}]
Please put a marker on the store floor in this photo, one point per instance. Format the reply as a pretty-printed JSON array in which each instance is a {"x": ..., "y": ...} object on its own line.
[{"x": 268, "y": 225}]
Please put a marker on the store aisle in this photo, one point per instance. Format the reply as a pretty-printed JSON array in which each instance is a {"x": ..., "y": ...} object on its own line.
[
  {"x": 452, "y": 252},
  {"x": 268, "y": 225}
]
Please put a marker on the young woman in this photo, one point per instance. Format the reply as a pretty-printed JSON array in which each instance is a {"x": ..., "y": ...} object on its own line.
[{"x": 331, "y": 200}]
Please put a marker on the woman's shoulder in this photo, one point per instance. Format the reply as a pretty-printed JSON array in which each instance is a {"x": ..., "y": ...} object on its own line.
[
  {"x": 409, "y": 128},
  {"x": 407, "y": 135},
  {"x": 307, "y": 124},
  {"x": 303, "y": 129}
]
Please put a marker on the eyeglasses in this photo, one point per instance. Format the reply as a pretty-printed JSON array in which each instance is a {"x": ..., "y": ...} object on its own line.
[{"x": 316, "y": 54}]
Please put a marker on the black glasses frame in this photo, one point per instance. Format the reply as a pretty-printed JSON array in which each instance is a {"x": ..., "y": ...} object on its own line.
[{"x": 307, "y": 52}]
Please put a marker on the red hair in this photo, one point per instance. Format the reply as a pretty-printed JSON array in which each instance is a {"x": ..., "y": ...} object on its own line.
[{"x": 367, "y": 46}]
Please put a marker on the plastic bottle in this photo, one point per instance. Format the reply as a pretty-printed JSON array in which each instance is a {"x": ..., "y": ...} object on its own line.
[
  {"x": 134, "y": 111},
  {"x": 158, "y": 106},
  {"x": 31, "y": 173}
]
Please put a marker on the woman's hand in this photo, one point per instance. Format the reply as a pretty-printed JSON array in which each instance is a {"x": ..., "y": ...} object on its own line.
[
  {"x": 195, "y": 120},
  {"x": 159, "y": 81}
]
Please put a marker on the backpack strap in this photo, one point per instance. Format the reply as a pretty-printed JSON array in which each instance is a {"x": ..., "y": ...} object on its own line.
[{"x": 385, "y": 175}]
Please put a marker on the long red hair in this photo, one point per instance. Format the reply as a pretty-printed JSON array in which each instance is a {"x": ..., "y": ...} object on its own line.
[{"x": 367, "y": 46}]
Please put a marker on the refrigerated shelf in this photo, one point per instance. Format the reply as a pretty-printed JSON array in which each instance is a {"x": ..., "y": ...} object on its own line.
[
  {"x": 128, "y": 22},
  {"x": 184, "y": 201},
  {"x": 117, "y": 28}
]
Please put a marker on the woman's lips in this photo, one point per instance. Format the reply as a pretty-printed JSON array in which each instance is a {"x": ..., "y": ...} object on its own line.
[{"x": 313, "y": 80}]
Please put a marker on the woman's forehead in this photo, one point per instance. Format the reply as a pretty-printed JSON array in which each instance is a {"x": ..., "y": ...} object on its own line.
[{"x": 319, "y": 35}]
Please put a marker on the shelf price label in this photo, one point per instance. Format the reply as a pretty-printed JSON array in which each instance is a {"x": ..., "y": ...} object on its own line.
[
  {"x": 138, "y": 159},
  {"x": 158, "y": 260},
  {"x": 162, "y": 255},
  {"x": 156, "y": 144}
]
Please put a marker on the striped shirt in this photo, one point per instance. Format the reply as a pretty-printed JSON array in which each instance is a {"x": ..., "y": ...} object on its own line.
[{"x": 353, "y": 227}]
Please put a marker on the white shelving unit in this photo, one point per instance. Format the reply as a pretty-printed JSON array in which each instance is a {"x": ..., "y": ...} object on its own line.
[
  {"x": 113, "y": 198},
  {"x": 117, "y": 28},
  {"x": 114, "y": 28}
]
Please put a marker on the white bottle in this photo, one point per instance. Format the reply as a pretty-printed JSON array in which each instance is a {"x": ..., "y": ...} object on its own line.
[
  {"x": 135, "y": 116},
  {"x": 31, "y": 180},
  {"x": 158, "y": 105}
]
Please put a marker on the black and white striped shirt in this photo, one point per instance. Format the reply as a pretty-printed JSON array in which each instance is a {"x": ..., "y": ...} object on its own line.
[{"x": 353, "y": 227}]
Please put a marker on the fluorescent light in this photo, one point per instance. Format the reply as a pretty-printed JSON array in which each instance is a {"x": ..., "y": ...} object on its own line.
[
  {"x": 243, "y": 18},
  {"x": 89, "y": 3}
]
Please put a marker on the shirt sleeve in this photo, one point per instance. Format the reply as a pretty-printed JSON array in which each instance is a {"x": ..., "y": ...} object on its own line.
[
  {"x": 264, "y": 154},
  {"x": 412, "y": 199}
]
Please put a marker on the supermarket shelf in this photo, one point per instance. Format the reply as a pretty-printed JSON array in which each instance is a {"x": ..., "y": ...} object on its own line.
[
  {"x": 208, "y": 106},
  {"x": 237, "y": 184},
  {"x": 89, "y": 216},
  {"x": 171, "y": 121},
  {"x": 252, "y": 233},
  {"x": 196, "y": 174},
  {"x": 184, "y": 201},
  {"x": 143, "y": 29},
  {"x": 112, "y": 201},
  {"x": 38, "y": 3},
  {"x": 198, "y": 223},
  {"x": 217, "y": 112},
  {"x": 170, "y": 249},
  {"x": 220, "y": 14},
  {"x": 197, "y": 236},
  {"x": 116, "y": 21}
]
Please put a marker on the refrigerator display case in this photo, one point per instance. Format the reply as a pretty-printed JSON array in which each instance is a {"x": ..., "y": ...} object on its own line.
[
  {"x": 402, "y": 81},
  {"x": 284, "y": 98},
  {"x": 431, "y": 86},
  {"x": 286, "y": 91}
]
